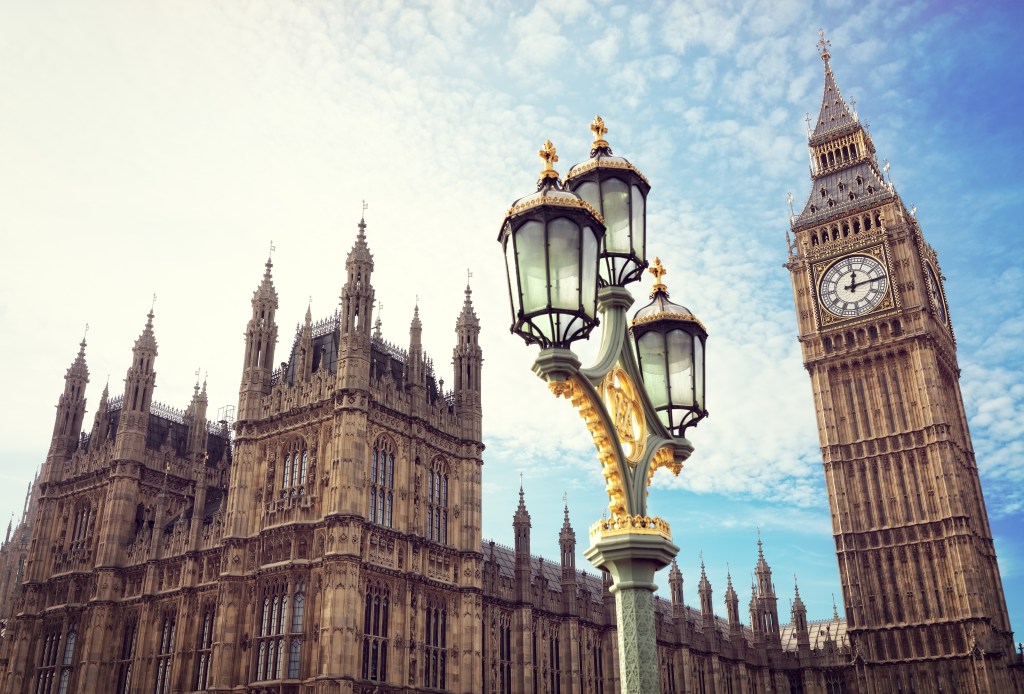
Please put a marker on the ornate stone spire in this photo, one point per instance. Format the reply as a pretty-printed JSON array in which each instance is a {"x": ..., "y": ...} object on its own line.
[{"x": 835, "y": 113}]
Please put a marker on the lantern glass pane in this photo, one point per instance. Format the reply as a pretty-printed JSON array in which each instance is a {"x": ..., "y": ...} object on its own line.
[
  {"x": 680, "y": 367},
  {"x": 637, "y": 210},
  {"x": 651, "y": 347},
  {"x": 589, "y": 286},
  {"x": 615, "y": 196},
  {"x": 698, "y": 360},
  {"x": 532, "y": 268},
  {"x": 588, "y": 191},
  {"x": 564, "y": 263},
  {"x": 513, "y": 279}
]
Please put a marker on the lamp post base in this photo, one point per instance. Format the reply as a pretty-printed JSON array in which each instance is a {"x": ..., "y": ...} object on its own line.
[{"x": 632, "y": 559}]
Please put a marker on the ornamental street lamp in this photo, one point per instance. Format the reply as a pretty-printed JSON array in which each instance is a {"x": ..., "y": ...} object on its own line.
[{"x": 570, "y": 250}]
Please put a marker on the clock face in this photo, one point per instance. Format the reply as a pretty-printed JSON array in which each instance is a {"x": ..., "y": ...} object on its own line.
[
  {"x": 853, "y": 286},
  {"x": 934, "y": 288}
]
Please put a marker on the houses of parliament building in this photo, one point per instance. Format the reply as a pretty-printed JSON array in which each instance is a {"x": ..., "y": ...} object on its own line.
[{"x": 330, "y": 541}]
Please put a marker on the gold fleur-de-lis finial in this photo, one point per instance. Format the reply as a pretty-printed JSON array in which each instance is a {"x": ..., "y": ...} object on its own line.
[
  {"x": 550, "y": 155},
  {"x": 659, "y": 271},
  {"x": 599, "y": 130},
  {"x": 823, "y": 44}
]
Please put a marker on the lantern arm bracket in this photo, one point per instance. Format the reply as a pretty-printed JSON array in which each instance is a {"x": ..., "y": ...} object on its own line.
[{"x": 612, "y": 304}]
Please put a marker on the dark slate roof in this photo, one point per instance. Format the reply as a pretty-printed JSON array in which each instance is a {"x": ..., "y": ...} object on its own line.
[
  {"x": 325, "y": 347},
  {"x": 835, "y": 114},
  {"x": 505, "y": 559},
  {"x": 838, "y": 187}
]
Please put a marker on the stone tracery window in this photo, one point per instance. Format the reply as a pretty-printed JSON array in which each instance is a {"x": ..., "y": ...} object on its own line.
[
  {"x": 435, "y": 642},
  {"x": 204, "y": 648},
  {"x": 165, "y": 654},
  {"x": 437, "y": 502},
  {"x": 382, "y": 483},
  {"x": 375, "y": 632},
  {"x": 126, "y": 660},
  {"x": 270, "y": 635},
  {"x": 505, "y": 653},
  {"x": 294, "y": 469}
]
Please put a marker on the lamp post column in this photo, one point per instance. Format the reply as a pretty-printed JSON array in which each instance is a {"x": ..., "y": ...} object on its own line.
[{"x": 632, "y": 559}]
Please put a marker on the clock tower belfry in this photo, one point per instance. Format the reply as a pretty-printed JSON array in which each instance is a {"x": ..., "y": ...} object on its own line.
[{"x": 921, "y": 588}]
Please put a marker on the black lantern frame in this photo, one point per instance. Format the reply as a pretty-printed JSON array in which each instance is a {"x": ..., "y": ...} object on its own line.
[
  {"x": 670, "y": 348},
  {"x": 551, "y": 243},
  {"x": 618, "y": 191}
]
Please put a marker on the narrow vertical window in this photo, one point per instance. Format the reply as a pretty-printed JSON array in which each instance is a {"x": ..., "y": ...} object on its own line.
[
  {"x": 382, "y": 484},
  {"x": 204, "y": 649},
  {"x": 435, "y": 645},
  {"x": 437, "y": 502},
  {"x": 375, "y": 632},
  {"x": 294, "y": 469},
  {"x": 270, "y": 634},
  {"x": 165, "y": 654},
  {"x": 126, "y": 660},
  {"x": 67, "y": 661},
  {"x": 297, "y": 634},
  {"x": 505, "y": 653}
]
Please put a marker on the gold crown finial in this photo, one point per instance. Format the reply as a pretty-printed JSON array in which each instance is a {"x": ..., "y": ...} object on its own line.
[
  {"x": 599, "y": 130},
  {"x": 823, "y": 44},
  {"x": 659, "y": 271},
  {"x": 550, "y": 155}
]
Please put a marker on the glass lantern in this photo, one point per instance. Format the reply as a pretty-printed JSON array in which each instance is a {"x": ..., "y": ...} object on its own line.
[
  {"x": 551, "y": 241},
  {"x": 618, "y": 191},
  {"x": 670, "y": 344}
]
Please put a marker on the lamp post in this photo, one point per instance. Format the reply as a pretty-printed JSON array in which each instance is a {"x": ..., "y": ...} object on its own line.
[{"x": 570, "y": 250}]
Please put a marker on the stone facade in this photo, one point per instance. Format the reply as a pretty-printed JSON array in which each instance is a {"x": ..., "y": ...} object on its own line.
[
  {"x": 330, "y": 541},
  {"x": 924, "y": 601}
]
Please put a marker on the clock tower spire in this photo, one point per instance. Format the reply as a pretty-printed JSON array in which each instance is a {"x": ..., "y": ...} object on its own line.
[{"x": 916, "y": 559}]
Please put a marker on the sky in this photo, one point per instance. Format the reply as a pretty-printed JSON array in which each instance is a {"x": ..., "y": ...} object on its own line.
[{"x": 161, "y": 148}]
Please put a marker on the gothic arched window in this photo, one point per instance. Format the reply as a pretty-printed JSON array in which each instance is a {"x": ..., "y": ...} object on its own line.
[
  {"x": 47, "y": 668},
  {"x": 382, "y": 483},
  {"x": 270, "y": 635},
  {"x": 437, "y": 502},
  {"x": 165, "y": 653},
  {"x": 505, "y": 653},
  {"x": 297, "y": 634},
  {"x": 375, "y": 632},
  {"x": 129, "y": 636},
  {"x": 435, "y": 643},
  {"x": 294, "y": 469},
  {"x": 204, "y": 649}
]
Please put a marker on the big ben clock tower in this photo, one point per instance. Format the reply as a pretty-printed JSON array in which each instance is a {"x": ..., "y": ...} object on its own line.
[{"x": 924, "y": 601}]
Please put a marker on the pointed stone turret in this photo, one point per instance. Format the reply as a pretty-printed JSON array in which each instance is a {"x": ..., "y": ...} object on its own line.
[
  {"x": 101, "y": 421},
  {"x": 799, "y": 614},
  {"x": 756, "y": 617},
  {"x": 767, "y": 601},
  {"x": 521, "y": 528},
  {"x": 304, "y": 348},
  {"x": 732, "y": 605},
  {"x": 567, "y": 544},
  {"x": 260, "y": 340},
  {"x": 467, "y": 360},
  {"x": 675, "y": 585},
  {"x": 567, "y": 547},
  {"x": 357, "y": 294},
  {"x": 198, "y": 434},
  {"x": 356, "y": 316},
  {"x": 139, "y": 383},
  {"x": 417, "y": 367},
  {"x": 67, "y": 426},
  {"x": 707, "y": 609}
]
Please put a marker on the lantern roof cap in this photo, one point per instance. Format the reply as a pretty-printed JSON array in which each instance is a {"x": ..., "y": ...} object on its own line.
[
  {"x": 550, "y": 191},
  {"x": 601, "y": 156},
  {"x": 660, "y": 307}
]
